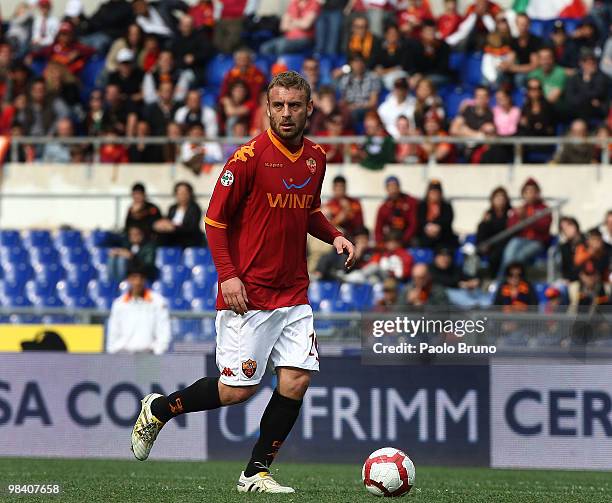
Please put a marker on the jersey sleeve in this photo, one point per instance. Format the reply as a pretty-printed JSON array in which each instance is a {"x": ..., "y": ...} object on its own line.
[
  {"x": 318, "y": 225},
  {"x": 233, "y": 184}
]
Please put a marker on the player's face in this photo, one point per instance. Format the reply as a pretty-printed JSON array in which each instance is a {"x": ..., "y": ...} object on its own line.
[{"x": 288, "y": 110}]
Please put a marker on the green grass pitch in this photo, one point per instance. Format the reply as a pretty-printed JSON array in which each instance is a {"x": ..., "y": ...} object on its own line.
[{"x": 106, "y": 481}]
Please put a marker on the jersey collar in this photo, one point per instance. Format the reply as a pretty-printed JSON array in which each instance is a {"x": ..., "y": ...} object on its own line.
[{"x": 284, "y": 150}]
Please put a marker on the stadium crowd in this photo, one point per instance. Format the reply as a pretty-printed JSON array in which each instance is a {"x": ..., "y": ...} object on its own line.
[
  {"x": 386, "y": 69},
  {"x": 383, "y": 69}
]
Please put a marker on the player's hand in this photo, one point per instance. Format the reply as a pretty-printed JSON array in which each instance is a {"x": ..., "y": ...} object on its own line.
[
  {"x": 341, "y": 244},
  {"x": 234, "y": 295}
]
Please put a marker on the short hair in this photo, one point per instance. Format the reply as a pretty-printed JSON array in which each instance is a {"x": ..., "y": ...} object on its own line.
[
  {"x": 481, "y": 88},
  {"x": 339, "y": 179},
  {"x": 139, "y": 187},
  {"x": 290, "y": 80},
  {"x": 187, "y": 185}
]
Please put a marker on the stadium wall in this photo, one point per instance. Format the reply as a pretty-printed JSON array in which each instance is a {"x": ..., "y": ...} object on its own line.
[
  {"x": 527, "y": 415},
  {"x": 586, "y": 188}
]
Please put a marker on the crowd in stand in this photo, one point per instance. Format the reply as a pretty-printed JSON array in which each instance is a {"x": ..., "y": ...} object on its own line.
[{"x": 380, "y": 68}]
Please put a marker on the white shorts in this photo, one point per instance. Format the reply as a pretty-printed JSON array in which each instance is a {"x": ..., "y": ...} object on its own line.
[{"x": 283, "y": 336}]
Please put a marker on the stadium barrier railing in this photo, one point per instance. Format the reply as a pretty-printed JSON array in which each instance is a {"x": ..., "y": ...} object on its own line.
[{"x": 517, "y": 142}]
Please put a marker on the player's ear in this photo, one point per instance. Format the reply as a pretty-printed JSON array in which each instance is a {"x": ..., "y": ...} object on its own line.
[{"x": 309, "y": 108}]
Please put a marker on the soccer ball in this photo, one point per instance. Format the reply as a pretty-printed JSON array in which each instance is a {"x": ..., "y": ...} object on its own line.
[{"x": 388, "y": 472}]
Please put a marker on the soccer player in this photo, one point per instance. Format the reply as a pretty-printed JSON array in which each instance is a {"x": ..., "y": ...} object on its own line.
[{"x": 266, "y": 200}]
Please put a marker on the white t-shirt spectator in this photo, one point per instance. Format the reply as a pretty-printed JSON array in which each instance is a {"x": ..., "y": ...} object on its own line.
[{"x": 390, "y": 109}]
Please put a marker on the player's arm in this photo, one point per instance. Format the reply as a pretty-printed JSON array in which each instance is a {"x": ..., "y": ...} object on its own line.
[
  {"x": 321, "y": 228},
  {"x": 231, "y": 188}
]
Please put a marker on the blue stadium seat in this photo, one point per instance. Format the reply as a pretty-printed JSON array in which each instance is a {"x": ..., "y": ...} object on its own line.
[
  {"x": 102, "y": 288},
  {"x": 14, "y": 255},
  {"x": 18, "y": 273},
  {"x": 570, "y": 25},
  {"x": 217, "y": 68},
  {"x": 357, "y": 296},
  {"x": 19, "y": 300},
  {"x": 81, "y": 272},
  {"x": 168, "y": 256},
  {"x": 323, "y": 290},
  {"x": 74, "y": 255},
  {"x": 453, "y": 101},
  {"x": 204, "y": 275},
  {"x": 58, "y": 319},
  {"x": 197, "y": 256},
  {"x": 169, "y": 290},
  {"x": 90, "y": 74},
  {"x": 471, "y": 70},
  {"x": 422, "y": 255},
  {"x": 44, "y": 255},
  {"x": 179, "y": 304},
  {"x": 37, "y": 239},
  {"x": 79, "y": 302},
  {"x": 51, "y": 272},
  {"x": 456, "y": 60},
  {"x": 193, "y": 290},
  {"x": 263, "y": 64},
  {"x": 210, "y": 96},
  {"x": 25, "y": 319},
  {"x": 71, "y": 288},
  {"x": 96, "y": 238},
  {"x": 9, "y": 237},
  {"x": 99, "y": 256},
  {"x": 540, "y": 289},
  {"x": 326, "y": 66},
  {"x": 174, "y": 273},
  {"x": 10, "y": 288},
  {"x": 39, "y": 288},
  {"x": 38, "y": 66},
  {"x": 541, "y": 27},
  {"x": 69, "y": 238},
  {"x": 47, "y": 301},
  {"x": 469, "y": 238},
  {"x": 203, "y": 304}
]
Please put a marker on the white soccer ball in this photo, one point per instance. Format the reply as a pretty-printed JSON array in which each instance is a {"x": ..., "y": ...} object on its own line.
[{"x": 388, "y": 472}]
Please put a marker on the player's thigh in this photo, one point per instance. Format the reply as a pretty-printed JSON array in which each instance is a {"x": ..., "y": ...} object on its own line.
[
  {"x": 296, "y": 346},
  {"x": 244, "y": 344}
]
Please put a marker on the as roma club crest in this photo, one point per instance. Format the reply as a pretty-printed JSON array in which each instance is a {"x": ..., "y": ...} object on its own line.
[
  {"x": 249, "y": 368},
  {"x": 312, "y": 165}
]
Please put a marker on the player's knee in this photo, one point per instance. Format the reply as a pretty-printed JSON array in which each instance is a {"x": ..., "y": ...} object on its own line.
[
  {"x": 296, "y": 386},
  {"x": 236, "y": 394}
]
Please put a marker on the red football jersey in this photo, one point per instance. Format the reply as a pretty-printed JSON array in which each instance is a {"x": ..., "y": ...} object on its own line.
[{"x": 267, "y": 198}]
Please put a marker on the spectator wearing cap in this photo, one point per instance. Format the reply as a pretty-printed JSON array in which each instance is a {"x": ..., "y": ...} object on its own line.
[
  {"x": 194, "y": 112},
  {"x": 128, "y": 77},
  {"x": 596, "y": 251},
  {"x": 139, "y": 321},
  {"x": 398, "y": 102},
  {"x": 570, "y": 238},
  {"x": 359, "y": 89},
  {"x": 378, "y": 148},
  {"x": 530, "y": 241},
  {"x": 191, "y": 48},
  {"x": 244, "y": 69},
  {"x": 560, "y": 43},
  {"x": 166, "y": 71},
  {"x": 435, "y": 219},
  {"x": 133, "y": 40},
  {"x": 589, "y": 291},
  {"x": 524, "y": 52},
  {"x": 391, "y": 57},
  {"x": 343, "y": 210},
  {"x": 397, "y": 212},
  {"x": 494, "y": 221},
  {"x": 577, "y": 153},
  {"x": 551, "y": 75},
  {"x": 587, "y": 91},
  {"x": 44, "y": 26},
  {"x": 142, "y": 212},
  {"x": 298, "y": 29},
  {"x": 422, "y": 291},
  {"x": 514, "y": 292}
]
